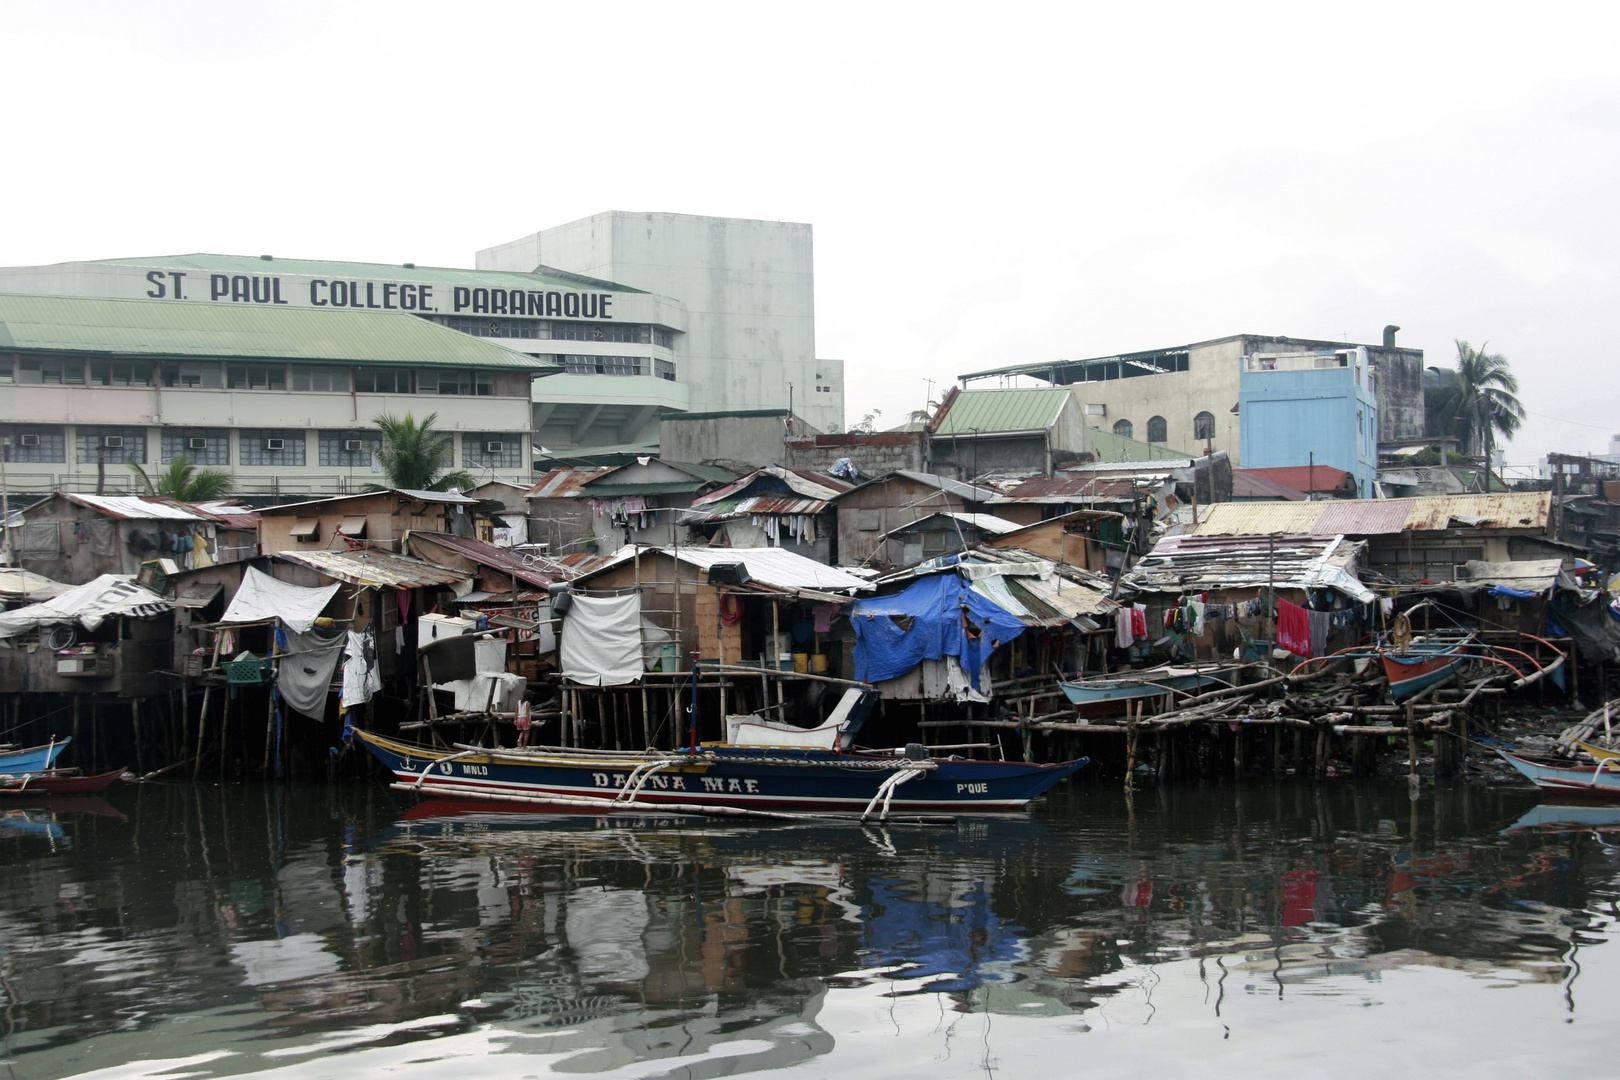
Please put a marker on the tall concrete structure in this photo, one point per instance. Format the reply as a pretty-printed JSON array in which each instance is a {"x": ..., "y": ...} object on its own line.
[
  {"x": 1311, "y": 408},
  {"x": 747, "y": 288},
  {"x": 1187, "y": 396}
]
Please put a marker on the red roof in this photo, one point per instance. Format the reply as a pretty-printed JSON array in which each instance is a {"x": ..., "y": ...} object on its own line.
[
  {"x": 490, "y": 556},
  {"x": 1249, "y": 484},
  {"x": 1311, "y": 479}
]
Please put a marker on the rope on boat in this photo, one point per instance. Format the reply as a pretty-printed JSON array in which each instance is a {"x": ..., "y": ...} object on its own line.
[
  {"x": 638, "y": 780},
  {"x": 885, "y": 791}
]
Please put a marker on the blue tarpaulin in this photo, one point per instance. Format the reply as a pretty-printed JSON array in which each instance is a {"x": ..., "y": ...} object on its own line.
[
  {"x": 941, "y": 616},
  {"x": 1518, "y": 594}
]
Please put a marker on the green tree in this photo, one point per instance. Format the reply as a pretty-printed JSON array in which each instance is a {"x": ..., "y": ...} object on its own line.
[
  {"x": 414, "y": 455},
  {"x": 1481, "y": 402},
  {"x": 186, "y": 482}
]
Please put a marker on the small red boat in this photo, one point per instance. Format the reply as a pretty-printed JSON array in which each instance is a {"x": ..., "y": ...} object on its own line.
[{"x": 58, "y": 782}]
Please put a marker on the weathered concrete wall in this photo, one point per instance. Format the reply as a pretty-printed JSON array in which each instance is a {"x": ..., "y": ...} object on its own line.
[
  {"x": 873, "y": 453},
  {"x": 965, "y": 458},
  {"x": 757, "y": 440},
  {"x": 1400, "y": 392}
]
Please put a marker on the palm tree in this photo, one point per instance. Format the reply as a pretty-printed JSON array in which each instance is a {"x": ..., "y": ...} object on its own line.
[
  {"x": 413, "y": 454},
  {"x": 185, "y": 482},
  {"x": 1482, "y": 401}
]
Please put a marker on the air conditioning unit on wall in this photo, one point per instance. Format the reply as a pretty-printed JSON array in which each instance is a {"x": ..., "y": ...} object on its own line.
[
  {"x": 28, "y": 440},
  {"x": 493, "y": 447},
  {"x": 113, "y": 442},
  {"x": 275, "y": 444},
  {"x": 352, "y": 445},
  {"x": 196, "y": 444}
]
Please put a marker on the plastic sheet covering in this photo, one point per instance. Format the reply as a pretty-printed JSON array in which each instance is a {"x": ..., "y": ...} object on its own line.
[
  {"x": 601, "y": 640},
  {"x": 361, "y": 677},
  {"x": 936, "y": 617},
  {"x": 473, "y": 695},
  {"x": 261, "y": 598},
  {"x": 88, "y": 605},
  {"x": 304, "y": 674}
]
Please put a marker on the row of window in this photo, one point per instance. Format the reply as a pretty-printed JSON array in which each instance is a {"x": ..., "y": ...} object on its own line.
[
  {"x": 41, "y": 444},
  {"x": 1203, "y": 428},
  {"x": 552, "y": 330},
  {"x": 215, "y": 375},
  {"x": 617, "y": 365}
]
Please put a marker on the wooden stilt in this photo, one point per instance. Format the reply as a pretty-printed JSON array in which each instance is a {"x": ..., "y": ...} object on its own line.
[{"x": 135, "y": 733}]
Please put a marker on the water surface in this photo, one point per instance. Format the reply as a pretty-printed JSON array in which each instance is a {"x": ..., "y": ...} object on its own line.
[{"x": 1272, "y": 929}]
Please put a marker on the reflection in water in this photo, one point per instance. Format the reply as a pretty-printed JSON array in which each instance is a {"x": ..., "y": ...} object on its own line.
[{"x": 244, "y": 929}]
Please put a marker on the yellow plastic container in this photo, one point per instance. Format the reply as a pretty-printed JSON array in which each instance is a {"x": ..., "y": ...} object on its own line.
[
  {"x": 818, "y": 663},
  {"x": 801, "y": 662}
]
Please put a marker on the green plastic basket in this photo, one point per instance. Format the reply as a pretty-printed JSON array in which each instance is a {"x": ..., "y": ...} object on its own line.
[{"x": 244, "y": 672}]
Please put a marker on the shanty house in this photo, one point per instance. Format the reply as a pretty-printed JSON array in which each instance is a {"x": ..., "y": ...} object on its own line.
[
  {"x": 868, "y": 511},
  {"x": 640, "y": 503},
  {"x": 939, "y": 534},
  {"x": 1024, "y": 432},
  {"x": 75, "y": 538},
  {"x": 377, "y": 519},
  {"x": 772, "y": 507}
]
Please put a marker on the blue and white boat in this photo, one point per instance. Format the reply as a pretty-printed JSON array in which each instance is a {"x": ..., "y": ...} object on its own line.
[
  {"x": 719, "y": 778},
  {"x": 1597, "y": 781},
  {"x": 34, "y": 759},
  {"x": 1100, "y": 691}
]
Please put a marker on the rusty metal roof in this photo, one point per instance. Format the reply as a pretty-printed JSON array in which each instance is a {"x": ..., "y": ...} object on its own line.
[
  {"x": 1362, "y": 517},
  {"x": 1379, "y": 517},
  {"x": 779, "y": 481},
  {"x": 488, "y": 555},
  {"x": 374, "y": 568},
  {"x": 563, "y": 482}
]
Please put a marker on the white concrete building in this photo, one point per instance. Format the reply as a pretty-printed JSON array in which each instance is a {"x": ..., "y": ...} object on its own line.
[
  {"x": 747, "y": 289},
  {"x": 709, "y": 313},
  {"x": 282, "y": 397}
]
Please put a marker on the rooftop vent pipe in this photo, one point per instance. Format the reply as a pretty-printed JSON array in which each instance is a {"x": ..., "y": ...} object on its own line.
[{"x": 1389, "y": 335}]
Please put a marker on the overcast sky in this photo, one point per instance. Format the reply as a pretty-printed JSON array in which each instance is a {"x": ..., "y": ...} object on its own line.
[{"x": 989, "y": 184}]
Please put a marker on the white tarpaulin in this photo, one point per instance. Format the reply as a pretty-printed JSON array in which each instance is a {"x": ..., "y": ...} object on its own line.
[
  {"x": 88, "y": 605},
  {"x": 261, "y": 598},
  {"x": 601, "y": 640}
]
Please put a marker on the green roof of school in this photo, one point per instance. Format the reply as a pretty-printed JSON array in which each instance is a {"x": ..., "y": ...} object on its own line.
[
  {"x": 1002, "y": 410},
  {"x": 164, "y": 328},
  {"x": 543, "y": 277}
]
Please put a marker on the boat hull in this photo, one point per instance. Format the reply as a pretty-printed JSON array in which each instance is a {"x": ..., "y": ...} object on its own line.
[
  {"x": 42, "y": 784},
  {"x": 32, "y": 760},
  {"x": 749, "y": 779},
  {"x": 1410, "y": 676},
  {"x": 1600, "y": 781}
]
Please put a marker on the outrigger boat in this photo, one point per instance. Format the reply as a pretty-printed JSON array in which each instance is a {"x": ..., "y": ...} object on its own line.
[
  {"x": 33, "y": 759},
  {"x": 1426, "y": 661},
  {"x": 768, "y": 772},
  {"x": 1101, "y": 694},
  {"x": 57, "y": 782},
  {"x": 1598, "y": 781}
]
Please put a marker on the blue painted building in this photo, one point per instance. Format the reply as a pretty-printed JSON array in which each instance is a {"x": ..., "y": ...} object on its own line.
[{"x": 1300, "y": 408}]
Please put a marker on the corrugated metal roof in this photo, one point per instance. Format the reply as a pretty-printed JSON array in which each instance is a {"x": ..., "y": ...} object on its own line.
[
  {"x": 771, "y": 567},
  {"x": 1068, "y": 489},
  {"x": 1503, "y": 510},
  {"x": 764, "y": 504},
  {"x": 1358, "y": 517},
  {"x": 1247, "y": 484},
  {"x": 138, "y": 507},
  {"x": 984, "y": 522},
  {"x": 231, "y": 331},
  {"x": 546, "y": 278},
  {"x": 1378, "y": 517},
  {"x": 1190, "y": 564},
  {"x": 563, "y": 482},
  {"x": 1258, "y": 519},
  {"x": 988, "y": 411},
  {"x": 1318, "y": 479},
  {"x": 488, "y": 555},
  {"x": 1537, "y": 575},
  {"x": 449, "y": 497},
  {"x": 373, "y": 567},
  {"x": 773, "y": 479}
]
